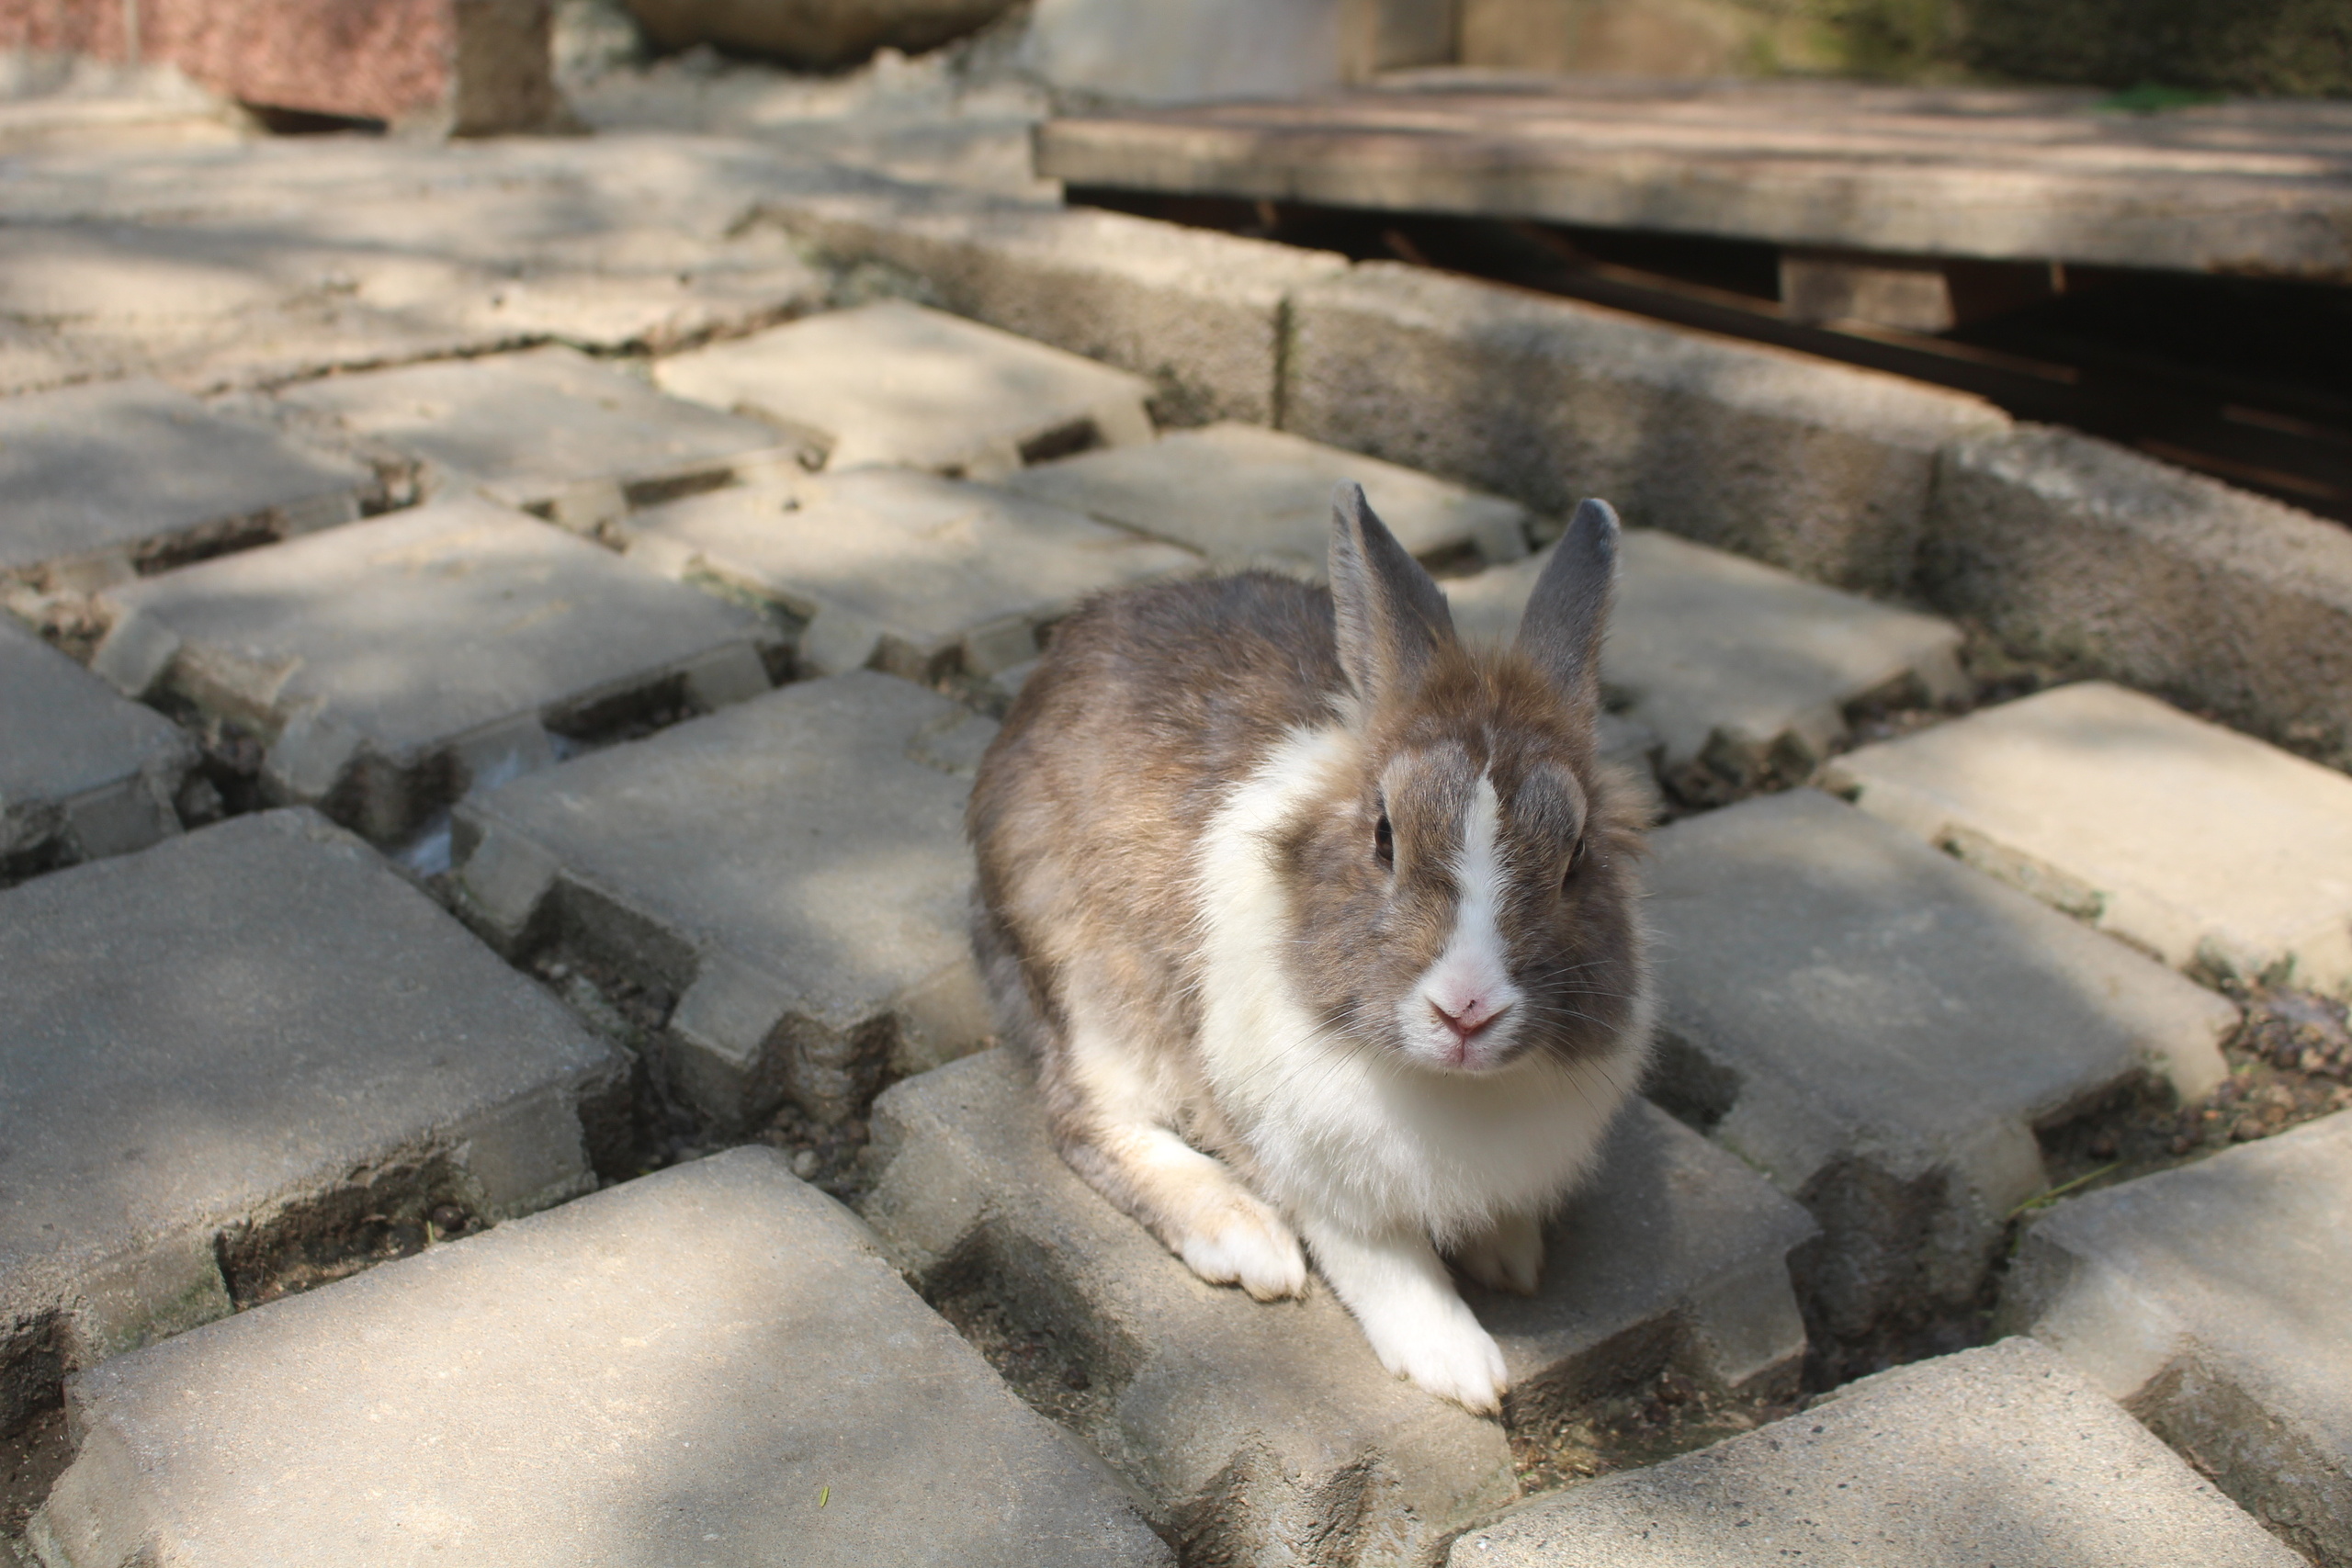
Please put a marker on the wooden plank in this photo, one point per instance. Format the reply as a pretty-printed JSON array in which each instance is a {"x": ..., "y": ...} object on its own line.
[{"x": 2250, "y": 187}]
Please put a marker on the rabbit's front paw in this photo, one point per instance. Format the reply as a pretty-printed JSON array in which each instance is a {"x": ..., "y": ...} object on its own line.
[
  {"x": 1440, "y": 1345},
  {"x": 1239, "y": 1240},
  {"x": 1509, "y": 1257}
]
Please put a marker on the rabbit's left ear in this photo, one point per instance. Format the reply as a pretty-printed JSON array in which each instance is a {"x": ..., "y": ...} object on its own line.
[
  {"x": 1568, "y": 615},
  {"x": 1388, "y": 615}
]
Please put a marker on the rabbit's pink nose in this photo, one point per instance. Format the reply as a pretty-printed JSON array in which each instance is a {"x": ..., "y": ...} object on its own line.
[{"x": 1475, "y": 1015}]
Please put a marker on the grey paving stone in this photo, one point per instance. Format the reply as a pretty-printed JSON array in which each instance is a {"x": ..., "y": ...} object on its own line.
[
  {"x": 1270, "y": 1433},
  {"x": 104, "y": 479},
  {"x": 1821, "y": 469},
  {"x": 1732, "y": 661},
  {"x": 2115, "y": 563},
  {"x": 2210, "y": 1301},
  {"x": 912, "y": 574},
  {"x": 710, "y": 1365},
  {"x": 1201, "y": 313},
  {"x": 792, "y": 870},
  {"x": 2004, "y": 1455},
  {"x": 392, "y": 662},
  {"x": 224, "y": 1058},
  {"x": 83, "y": 774},
  {"x": 550, "y": 431},
  {"x": 1880, "y": 1030},
  {"x": 2189, "y": 840},
  {"x": 1246, "y": 496},
  {"x": 892, "y": 382}
]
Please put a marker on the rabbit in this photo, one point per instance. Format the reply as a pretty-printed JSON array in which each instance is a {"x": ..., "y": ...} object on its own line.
[{"x": 1319, "y": 926}]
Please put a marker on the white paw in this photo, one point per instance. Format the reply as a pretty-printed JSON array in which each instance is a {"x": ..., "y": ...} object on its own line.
[
  {"x": 1242, "y": 1241},
  {"x": 1508, "y": 1258},
  {"x": 1445, "y": 1352}
]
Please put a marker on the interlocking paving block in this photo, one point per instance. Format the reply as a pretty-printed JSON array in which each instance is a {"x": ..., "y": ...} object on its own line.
[
  {"x": 892, "y": 382},
  {"x": 710, "y": 1365},
  {"x": 905, "y": 570},
  {"x": 2210, "y": 1301},
  {"x": 1881, "y": 1030},
  {"x": 2185, "y": 838},
  {"x": 1730, "y": 659},
  {"x": 1247, "y": 496},
  {"x": 551, "y": 431},
  {"x": 104, "y": 479},
  {"x": 2002, "y": 1455},
  {"x": 226, "y": 1057},
  {"x": 391, "y": 663},
  {"x": 1269, "y": 1433},
  {"x": 793, "y": 870},
  {"x": 83, "y": 774}
]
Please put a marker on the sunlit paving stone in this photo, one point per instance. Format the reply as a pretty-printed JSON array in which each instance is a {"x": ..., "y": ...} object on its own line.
[
  {"x": 792, "y": 870},
  {"x": 1264, "y": 1430},
  {"x": 896, "y": 383},
  {"x": 2189, "y": 840},
  {"x": 1245, "y": 496},
  {"x": 1733, "y": 661},
  {"x": 904, "y": 570},
  {"x": 709, "y": 1365},
  {"x": 247, "y": 1057},
  {"x": 2004, "y": 1455},
  {"x": 1880, "y": 1030},
  {"x": 2212, "y": 1302},
  {"x": 551, "y": 431},
  {"x": 390, "y": 664},
  {"x": 105, "y": 481},
  {"x": 83, "y": 772}
]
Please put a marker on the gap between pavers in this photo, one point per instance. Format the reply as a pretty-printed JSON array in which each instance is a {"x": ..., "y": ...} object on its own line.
[
  {"x": 893, "y": 382},
  {"x": 228, "y": 1056},
  {"x": 392, "y": 663},
  {"x": 1881, "y": 1030},
  {"x": 710, "y": 1365},
  {"x": 2212, "y": 851},
  {"x": 2002, "y": 1455},
  {"x": 1202, "y": 314},
  {"x": 2212, "y": 1302},
  {"x": 1245, "y": 496},
  {"x": 896, "y": 569},
  {"x": 1821, "y": 469},
  {"x": 550, "y": 431},
  {"x": 83, "y": 774},
  {"x": 792, "y": 870},
  {"x": 1730, "y": 660},
  {"x": 1268, "y": 1432},
  {"x": 107, "y": 481}
]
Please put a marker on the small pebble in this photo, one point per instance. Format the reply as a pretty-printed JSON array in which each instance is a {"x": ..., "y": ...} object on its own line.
[
  {"x": 449, "y": 1219},
  {"x": 804, "y": 1164}
]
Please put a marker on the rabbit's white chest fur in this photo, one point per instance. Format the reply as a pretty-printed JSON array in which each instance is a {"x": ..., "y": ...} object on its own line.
[{"x": 1352, "y": 1133}]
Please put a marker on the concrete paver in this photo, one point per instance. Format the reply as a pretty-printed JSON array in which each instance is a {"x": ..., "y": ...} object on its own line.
[
  {"x": 83, "y": 774},
  {"x": 793, "y": 870},
  {"x": 1270, "y": 1433},
  {"x": 1246, "y": 496},
  {"x": 235, "y": 1049},
  {"x": 1880, "y": 1030},
  {"x": 1730, "y": 659},
  {"x": 392, "y": 662},
  {"x": 892, "y": 382},
  {"x": 550, "y": 431},
  {"x": 2004, "y": 1455},
  {"x": 105, "y": 478},
  {"x": 2185, "y": 838},
  {"x": 910, "y": 572},
  {"x": 710, "y": 1365},
  {"x": 2210, "y": 1301}
]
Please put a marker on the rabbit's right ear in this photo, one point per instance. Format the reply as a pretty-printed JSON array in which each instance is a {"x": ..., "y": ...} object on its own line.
[
  {"x": 1389, "y": 616},
  {"x": 1568, "y": 615}
]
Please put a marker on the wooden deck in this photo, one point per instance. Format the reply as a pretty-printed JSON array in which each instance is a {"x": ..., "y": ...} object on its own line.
[{"x": 2250, "y": 187}]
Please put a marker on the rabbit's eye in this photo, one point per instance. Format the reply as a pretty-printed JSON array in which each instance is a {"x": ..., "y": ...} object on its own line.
[
  {"x": 1384, "y": 840},
  {"x": 1576, "y": 859}
]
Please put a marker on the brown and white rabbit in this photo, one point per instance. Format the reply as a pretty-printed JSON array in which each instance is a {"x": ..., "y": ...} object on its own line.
[{"x": 1321, "y": 926}]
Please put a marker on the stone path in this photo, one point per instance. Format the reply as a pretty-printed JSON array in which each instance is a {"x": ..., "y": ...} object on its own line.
[{"x": 643, "y": 903}]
